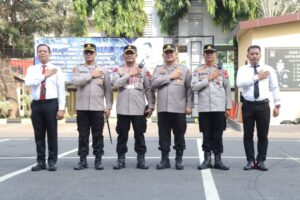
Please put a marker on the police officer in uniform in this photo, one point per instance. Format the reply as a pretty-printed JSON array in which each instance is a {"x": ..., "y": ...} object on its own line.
[
  {"x": 133, "y": 83},
  {"x": 174, "y": 101},
  {"x": 93, "y": 85},
  {"x": 212, "y": 85}
]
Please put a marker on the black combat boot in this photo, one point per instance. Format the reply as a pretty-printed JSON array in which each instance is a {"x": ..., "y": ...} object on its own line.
[
  {"x": 141, "y": 163},
  {"x": 82, "y": 163},
  {"x": 207, "y": 161},
  {"x": 219, "y": 164},
  {"x": 120, "y": 162},
  {"x": 98, "y": 163},
  {"x": 165, "y": 162},
  {"x": 178, "y": 160},
  {"x": 39, "y": 166}
]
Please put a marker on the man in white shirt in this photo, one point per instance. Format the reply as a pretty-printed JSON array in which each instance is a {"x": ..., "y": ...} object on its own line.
[
  {"x": 48, "y": 103},
  {"x": 256, "y": 80}
]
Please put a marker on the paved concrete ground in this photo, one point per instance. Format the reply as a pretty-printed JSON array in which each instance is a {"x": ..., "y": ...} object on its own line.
[{"x": 17, "y": 154}]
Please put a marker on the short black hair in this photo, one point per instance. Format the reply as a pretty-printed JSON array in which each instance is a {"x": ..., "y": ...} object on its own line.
[
  {"x": 253, "y": 47},
  {"x": 43, "y": 45}
]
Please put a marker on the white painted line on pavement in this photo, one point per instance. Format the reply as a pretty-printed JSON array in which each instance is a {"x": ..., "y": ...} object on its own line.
[
  {"x": 4, "y": 140},
  {"x": 211, "y": 192},
  {"x": 147, "y": 157},
  {"x": 292, "y": 158},
  {"x": 21, "y": 171}
]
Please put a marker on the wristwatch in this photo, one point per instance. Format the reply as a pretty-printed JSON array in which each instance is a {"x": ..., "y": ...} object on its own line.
[{"x": 277, "y": 106}]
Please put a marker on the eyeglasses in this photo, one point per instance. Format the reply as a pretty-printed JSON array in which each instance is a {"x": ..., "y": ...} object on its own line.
[{"x": 89, "y": 52}]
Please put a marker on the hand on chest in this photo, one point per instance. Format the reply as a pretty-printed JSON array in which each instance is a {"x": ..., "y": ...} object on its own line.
[{"x": 215, "y": 75}]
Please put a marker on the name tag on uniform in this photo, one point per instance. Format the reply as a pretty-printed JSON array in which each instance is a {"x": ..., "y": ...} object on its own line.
[
  {"x": 131, "y": 86},
  {"x": 99, "y": 81}
]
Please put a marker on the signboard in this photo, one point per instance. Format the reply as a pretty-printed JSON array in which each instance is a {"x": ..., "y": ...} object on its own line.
[
  {"x": 68, "y": 52},
  {"x": 286, "y": 63}
]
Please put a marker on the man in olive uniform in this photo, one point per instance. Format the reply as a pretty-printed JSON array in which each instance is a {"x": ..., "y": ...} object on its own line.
[
  {"x": 133, "y": 83},
  {"x": 212, "y": 85},
  {"x": 174, "y": 101},
  {"x": 93, "y": 85}
]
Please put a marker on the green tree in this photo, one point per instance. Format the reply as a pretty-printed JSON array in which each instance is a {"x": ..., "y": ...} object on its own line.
[
  {"x": 228, "y": 13},
  {"x": 20, "y": 20},
  {"x": 270, "y": 8},
  {"x": 122, "y": 18},
  {"x": 170, "y": 11}
]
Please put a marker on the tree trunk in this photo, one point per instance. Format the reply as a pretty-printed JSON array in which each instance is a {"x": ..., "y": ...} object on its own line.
[{"x": 8, "y": 88}]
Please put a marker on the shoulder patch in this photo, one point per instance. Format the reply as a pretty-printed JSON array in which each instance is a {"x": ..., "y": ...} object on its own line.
[
  {"x": 225, "y": 72},
  {"x": 75, "y": 69},
  {"x": 148, "y": 75}
]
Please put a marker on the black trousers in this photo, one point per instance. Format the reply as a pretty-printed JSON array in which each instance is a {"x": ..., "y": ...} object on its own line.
[
  {"x": 259, "y": 114},
  {"x": 44, "y": 121},
  {"x": 171, "y": 121},
  {"x": 90, "y": 121},
  {"x": 139, "y": 124},
  {"x": 212, "y": 124}
]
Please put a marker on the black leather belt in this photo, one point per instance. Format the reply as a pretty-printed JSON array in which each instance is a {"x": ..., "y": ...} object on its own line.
[
  {"x": 257, "y": 102},
  {"x": 45, "y": 100}
]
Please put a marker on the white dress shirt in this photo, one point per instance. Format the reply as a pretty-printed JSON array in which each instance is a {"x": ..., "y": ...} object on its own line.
[
  {"x": 246, "y": 79},
  {"x": 55, "y": 84}
]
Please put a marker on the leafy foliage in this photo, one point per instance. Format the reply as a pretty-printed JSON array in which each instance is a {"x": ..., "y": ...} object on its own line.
[
  {"x": 270, "y": 8},
  {"x": 124, "y": 18},
  {"x": 227, "y": 13},
  {"x": 20, "y": 20},
  {"x": 5, "y": 107},
  {"x": 170, "y": 11}
]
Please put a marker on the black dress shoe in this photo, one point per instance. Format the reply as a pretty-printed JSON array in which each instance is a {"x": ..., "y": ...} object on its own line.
[
  {"x": 250, "y": 165},
  {"x": 52, "y": 168},
  {"x": 38, "y": 167},
  {"x": 261, "y": 166}
]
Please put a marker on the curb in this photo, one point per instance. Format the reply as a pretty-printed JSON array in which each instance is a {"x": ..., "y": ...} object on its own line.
[{"x": 273, "y": 128}]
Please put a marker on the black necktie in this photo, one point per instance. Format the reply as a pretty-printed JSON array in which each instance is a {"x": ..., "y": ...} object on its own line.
[{"x": 256, "y": 88}]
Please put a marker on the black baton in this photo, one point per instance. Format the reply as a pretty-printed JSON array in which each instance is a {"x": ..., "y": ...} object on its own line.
[{"x": 107, "y": 122}]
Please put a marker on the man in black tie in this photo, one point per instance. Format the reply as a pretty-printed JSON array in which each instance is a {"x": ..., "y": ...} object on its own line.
[
  {"x": 48, "y": 103},
  {"x": 256, "y": 80}
]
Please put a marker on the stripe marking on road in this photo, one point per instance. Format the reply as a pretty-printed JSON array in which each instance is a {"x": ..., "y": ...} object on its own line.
[
  {"x": 4, "y": 140},
  {"x": 26, "y": 169},
  {"x": 211, "y": 192}
]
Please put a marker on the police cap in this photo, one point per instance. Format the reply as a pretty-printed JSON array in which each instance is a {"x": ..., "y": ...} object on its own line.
[
  {"x": 209, "y": 47},
  {"x": 89, "y": 47},
  {"x": 169, "y": 47},
  {"x": 131, "y": 48}
]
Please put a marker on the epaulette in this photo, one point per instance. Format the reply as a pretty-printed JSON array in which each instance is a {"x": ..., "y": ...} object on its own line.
[{"x": 226, "y": 75}]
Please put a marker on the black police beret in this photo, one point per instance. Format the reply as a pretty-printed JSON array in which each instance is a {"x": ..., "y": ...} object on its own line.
[
  {"x": 169, "y": 47},
  {"x": 89, "y": 47},
  {"x": 131, "y": 48},
  {"x": 209, "y": 47}
]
